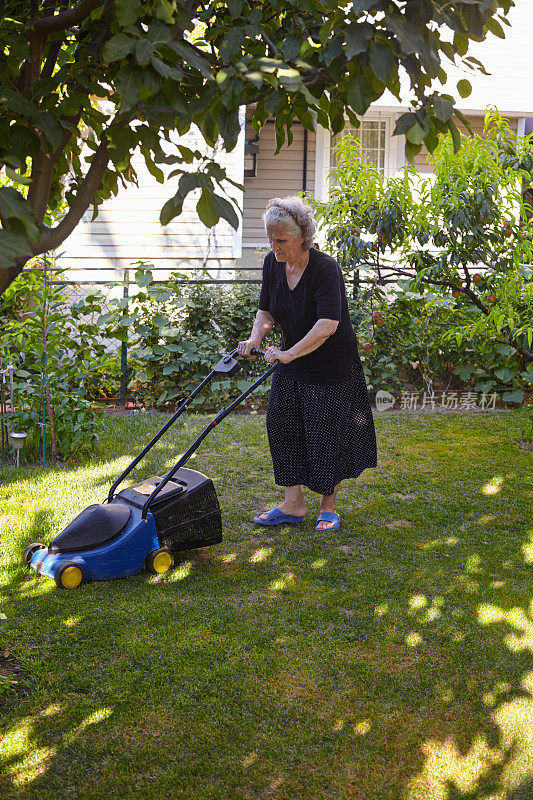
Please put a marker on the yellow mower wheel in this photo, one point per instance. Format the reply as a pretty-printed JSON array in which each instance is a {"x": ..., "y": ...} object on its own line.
[
  {"x": 68, "y": 576},
  {"x": 159, "y": 561}
]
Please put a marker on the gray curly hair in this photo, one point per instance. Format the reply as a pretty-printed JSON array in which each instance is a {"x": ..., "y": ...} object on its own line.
[{"x": 293, "y": 215}]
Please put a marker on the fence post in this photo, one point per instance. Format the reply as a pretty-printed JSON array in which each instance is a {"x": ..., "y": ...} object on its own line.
[{"x": 124, "y": 352}]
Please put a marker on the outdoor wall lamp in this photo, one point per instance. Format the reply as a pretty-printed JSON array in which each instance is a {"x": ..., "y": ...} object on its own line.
[
  {"x": 251, "y": 150},
  {"x": 17, "y": 440}
]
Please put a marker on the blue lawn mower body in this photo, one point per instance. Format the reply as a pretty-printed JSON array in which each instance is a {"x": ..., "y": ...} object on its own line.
[
  {"x": 119, "y": 557},
  {"x": 146, "y": 524}
]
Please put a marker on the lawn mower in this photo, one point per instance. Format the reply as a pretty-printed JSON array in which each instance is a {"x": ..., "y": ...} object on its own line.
[{"x": 146, "y": 524}]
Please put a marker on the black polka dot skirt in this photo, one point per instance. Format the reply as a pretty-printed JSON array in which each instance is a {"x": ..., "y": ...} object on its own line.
[{"x": 320, "y": 434}]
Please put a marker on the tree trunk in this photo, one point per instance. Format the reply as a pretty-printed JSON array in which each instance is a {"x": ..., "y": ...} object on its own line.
[{"x": 7, "y": 276}]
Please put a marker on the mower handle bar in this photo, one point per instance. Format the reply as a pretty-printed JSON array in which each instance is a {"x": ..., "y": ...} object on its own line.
[{"x": 179, "y": 411}]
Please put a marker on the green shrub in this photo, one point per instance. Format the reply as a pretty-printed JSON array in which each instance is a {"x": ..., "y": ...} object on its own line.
[
  {"x": 55, "y": 357},
  {"x": 445, "y": 260}
]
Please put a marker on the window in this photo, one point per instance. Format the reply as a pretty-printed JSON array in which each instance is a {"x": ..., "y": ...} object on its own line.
[{"x": 374, "y": 133}]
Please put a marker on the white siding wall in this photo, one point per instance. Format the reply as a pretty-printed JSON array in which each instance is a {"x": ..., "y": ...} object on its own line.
[
  {"x": 508, "y": 86},
  {"x": 476, "y": 121},
  {"x": 127, "y": 227},
  {"x": 276, "y": 176}
]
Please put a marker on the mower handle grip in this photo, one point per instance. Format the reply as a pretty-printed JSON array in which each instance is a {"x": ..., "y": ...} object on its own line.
[{"x": 253, "y": 352}]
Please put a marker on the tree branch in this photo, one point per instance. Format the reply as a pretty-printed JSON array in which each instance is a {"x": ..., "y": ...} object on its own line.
[
  {"x": 270, "y": 43},
  {"x": 66, "y": 19},
  {"x": 51, "y": 59},
  {"x": 42, "y": 171},
  {"x": 53, "y": 237},
  {"x": 41, "y": 180}
]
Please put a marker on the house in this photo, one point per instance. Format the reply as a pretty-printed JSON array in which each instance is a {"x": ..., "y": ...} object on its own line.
[{"x": 127, "y": 227}]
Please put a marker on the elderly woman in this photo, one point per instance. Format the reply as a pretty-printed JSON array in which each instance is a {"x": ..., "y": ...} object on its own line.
[{"x": 319, "y": 421}]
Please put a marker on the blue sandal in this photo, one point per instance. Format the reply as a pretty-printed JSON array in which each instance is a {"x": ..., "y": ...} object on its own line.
[
  {"x": 328, "y": 516},
  {"x": 277, "y": 517}
]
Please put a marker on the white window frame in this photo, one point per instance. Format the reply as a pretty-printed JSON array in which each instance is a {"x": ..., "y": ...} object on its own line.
[{"x": 394, "y": 151}]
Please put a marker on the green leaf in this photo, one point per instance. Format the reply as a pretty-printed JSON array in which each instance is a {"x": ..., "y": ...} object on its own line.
[
  {"x": 466, "y": 122},
  {"x": 206, "y": 209},
  {"x": 118, "y": 47},
  {"x": 291, "y": 47},
  {"x": 494, "y": 27},
  {"x": 505, "y": 349},
  {"x": 187, "y": 154},
  {"x": 464, "y": 371},
  {"x": 404, "y": 122},
  {"x": 411, "y": 150},
  {"x": 411, "y": 40},
  {"x": 505, "y": 374},
  {"x": 362, "y": 5},
  {"x": 232, "y": 43},
  {"x": 464, "y": 87},
  {"x": 152, "y": 168},
  {"x": 477, "y": 63},
  {"x": 415, "y": 134},
  {"x": 165, "y": 70},
  {"x": 144, "y": 51},
  {"x": 443, "y": 108},
  {"x": 460, "y": 43},
  {"x": 16, "y": 177},
  {"x": 143, "y": 277},
  {"x": 308, "y": 118},
  {"x": 49, "y": 125},
  {"x": 128, "y": 83},
  {"x": 226, "y": 210},
  {"x": 193, "y": 58},
  {"x": 359, "y": 93},
  {"x": 173, "y": 207},
  {"x": 235, "y": 8},
  {"x": 127, "y": 11},
  {"x": 164, "y": 11},
  {"x": 358, "y": 35},
  {"x": 12, "y": 247},
  {"x": 16, "y": 212},
  {"x": 254, "y": 77},
  {"x": 473, "y": 18},
  {"x": 267, "y": 65},
  {"x": 382, "y": 60},
  {"x": 514, "y": 397},
  {"x": 289, "y": 78},
  {"x": 128, "y": 319},
  {"x": 456, "y": 136}
]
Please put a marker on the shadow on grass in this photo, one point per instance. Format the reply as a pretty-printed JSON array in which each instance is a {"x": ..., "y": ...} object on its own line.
[
  {"x": 358, "y": 664},
  {"x": 401, "y": 698}
]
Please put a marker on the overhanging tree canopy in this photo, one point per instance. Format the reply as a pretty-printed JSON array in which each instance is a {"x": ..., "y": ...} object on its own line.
[{"x": 165, "y": 64}]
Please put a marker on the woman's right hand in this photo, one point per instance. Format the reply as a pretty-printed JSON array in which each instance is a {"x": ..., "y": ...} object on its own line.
[{"x": 245, "y": 348}]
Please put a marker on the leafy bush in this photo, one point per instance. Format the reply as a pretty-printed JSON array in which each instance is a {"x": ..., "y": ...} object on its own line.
[
  {"x": 177, "y": 333},
  {"x": 55, "y": 354},
  {"x": 446, "y": 259}
]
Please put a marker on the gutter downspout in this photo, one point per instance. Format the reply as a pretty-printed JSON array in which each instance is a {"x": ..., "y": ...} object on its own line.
[{"x": 304, "y": 177}]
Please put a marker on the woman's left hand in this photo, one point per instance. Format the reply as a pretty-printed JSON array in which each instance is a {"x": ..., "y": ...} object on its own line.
[{"x": 273, "y": 354}]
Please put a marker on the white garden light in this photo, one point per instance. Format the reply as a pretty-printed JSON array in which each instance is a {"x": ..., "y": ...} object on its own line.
[{"x": 17, "y": 440}]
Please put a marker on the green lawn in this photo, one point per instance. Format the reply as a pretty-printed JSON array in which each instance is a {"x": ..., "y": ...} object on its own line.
[{"x": 387, "y": 660}]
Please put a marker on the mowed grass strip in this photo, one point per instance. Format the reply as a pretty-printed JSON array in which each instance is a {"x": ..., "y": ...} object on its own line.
[{"x": 389, "y": 659}]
